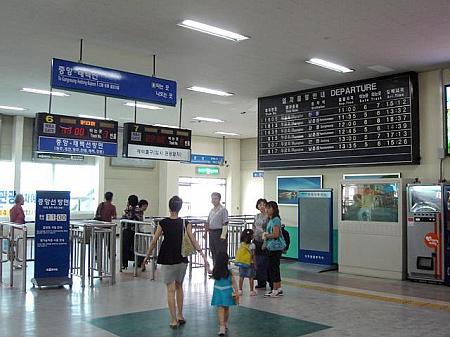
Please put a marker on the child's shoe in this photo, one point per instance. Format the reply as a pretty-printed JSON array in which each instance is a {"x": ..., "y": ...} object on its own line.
[
  {"x": 268, "y": 294},
  {"x": 252, "y": 293},
  {"x": 240, "y": 292},
  {"x": 222, "y": 331}
]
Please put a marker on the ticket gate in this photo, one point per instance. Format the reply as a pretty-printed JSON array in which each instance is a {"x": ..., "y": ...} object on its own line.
[{"x": 428, "y": 232}]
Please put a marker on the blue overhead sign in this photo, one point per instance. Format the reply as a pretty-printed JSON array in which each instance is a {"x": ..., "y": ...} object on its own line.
[
  {"x": 206, "y": 159},
  {"x": 92, "y": 79},
  {"x": 76, "y": 146}
]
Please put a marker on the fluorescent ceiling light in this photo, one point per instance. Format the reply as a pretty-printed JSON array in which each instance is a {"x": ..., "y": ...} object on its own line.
[
  {"x": 210, "y": 91},
  {"x": 216, "y": 31},
  {"x": 94, "y": 117},
  {"x": 207, "y": 119},
  {"x": 143, "y": 106},
  {"x": 44, "y": 92},
  {"x": 380, "y": 68},
  {"x": 166, "y": 126},
  {"x": 329, "y": 65},
  {"x": 226, "y": 133},
  {"x": 15, "y": 108}
]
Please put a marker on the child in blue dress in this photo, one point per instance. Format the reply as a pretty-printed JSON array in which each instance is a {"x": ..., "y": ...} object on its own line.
[{"x": 225, "y": 292}]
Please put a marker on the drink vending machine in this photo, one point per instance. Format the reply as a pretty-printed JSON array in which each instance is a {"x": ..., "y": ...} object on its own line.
[{"x": 428, "y": 232}]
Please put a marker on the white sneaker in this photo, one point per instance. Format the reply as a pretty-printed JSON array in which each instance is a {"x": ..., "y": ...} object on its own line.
[
  {"x": 275, "y": 293},
  {"x": 280, "y": 292},
  {"x": 222, "y": 331}
]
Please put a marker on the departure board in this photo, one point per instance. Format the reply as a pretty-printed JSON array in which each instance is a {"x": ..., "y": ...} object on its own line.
[
  {"x": 75, "y": 135},
  {"x": 155, "y": 142},
  {"x": 367, "y": 122}
]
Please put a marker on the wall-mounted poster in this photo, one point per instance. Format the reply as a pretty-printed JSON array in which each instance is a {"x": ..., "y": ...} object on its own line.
[{"x": 288, "y": 188}]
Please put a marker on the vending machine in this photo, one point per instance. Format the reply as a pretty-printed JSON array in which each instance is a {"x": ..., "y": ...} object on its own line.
[{"x": 428, "y": 232}]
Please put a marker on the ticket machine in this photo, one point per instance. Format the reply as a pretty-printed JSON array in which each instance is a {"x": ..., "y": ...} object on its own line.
[{"x": 428, "y": 232}]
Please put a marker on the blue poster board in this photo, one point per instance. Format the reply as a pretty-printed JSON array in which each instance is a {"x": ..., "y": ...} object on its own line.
[
  {"x": 52, "y": 247},
  {"x": 315, "y": 221},
  {"x": 96, "y": 80}
]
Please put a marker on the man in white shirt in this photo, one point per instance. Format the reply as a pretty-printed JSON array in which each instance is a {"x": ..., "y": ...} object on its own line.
[{"x": 217, "y": 226}]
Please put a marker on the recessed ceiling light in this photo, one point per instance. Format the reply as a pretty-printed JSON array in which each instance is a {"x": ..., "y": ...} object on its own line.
[
  {"x": 210, "y": 91},
  {"x": 94, "y": 117},
  {"x": 166, "y": 126},
  {"x": 329, "y": 65},
  {"x": 143, "y": 106},
  {"x": 226, "y": 133},
  {"x": 207, "y": 119},
  {"x": 15, "y": 108},
  {"x": 216, "y": 31},
  {"x": 380, "y": 68},
  {"x": 45, "y": 92}
]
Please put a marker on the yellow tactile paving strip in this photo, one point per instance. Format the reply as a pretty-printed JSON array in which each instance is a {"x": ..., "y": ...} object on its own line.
[{"x": 382, "y": 297}]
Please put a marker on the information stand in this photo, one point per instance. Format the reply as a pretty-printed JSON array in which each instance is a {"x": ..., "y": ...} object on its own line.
[
  {"x": 315, "y": 222},
  {"x": 52, "y": 249}
]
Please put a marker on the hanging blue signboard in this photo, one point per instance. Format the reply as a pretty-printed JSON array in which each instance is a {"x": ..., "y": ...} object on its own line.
[
  {"x": 52, "y": 248},
  {"x": 315, "y": 226},
  {"x": 206, "y": 159},
  {"x": 96, "y": 80},
  {"x": 258, "y": 174}
]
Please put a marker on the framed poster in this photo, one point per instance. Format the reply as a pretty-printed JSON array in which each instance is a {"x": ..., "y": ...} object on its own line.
[{"x": 288, "y": 188}]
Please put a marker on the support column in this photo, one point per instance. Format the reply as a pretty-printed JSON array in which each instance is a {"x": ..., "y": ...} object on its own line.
[{"x": 17, "y": 149}]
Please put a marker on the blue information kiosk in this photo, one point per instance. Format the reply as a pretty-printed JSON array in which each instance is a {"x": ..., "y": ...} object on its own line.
[{"x": 52, "y": 246}]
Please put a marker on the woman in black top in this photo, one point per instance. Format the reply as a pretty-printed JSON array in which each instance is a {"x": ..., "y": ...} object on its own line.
[{"x": 173, "y": 263}]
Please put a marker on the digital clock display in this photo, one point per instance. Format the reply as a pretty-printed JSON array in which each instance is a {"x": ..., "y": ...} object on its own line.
[{"x": 75, "y": 135}]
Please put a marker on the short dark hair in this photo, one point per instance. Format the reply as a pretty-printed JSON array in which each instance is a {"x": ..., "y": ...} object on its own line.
[
  {"x": 220, "y": 269},
  {"x": 175, "y": 203},
  {"x": 142, "y": 202},
  {"x": 109, "y": 196},
  {"x": 247, "y": 235},
  {"x": 133, "y": 200},
  {"x": 274, "y": 206},
  {"x": 260, "y": 201},
  {"x": 216, "y": 194}
]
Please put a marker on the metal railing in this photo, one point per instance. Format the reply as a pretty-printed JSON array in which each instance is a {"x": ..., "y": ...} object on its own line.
[
  {"x": 198, "y": 230},
  {"x": 95, "y": 242},
  {"x": 13, "y": 240},
  {"x": 141, "y": 244},
  {"x": 139, "y": 227}
]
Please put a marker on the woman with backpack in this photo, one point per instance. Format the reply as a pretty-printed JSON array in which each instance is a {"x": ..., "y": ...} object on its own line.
[{"x": 275, "y": 245}]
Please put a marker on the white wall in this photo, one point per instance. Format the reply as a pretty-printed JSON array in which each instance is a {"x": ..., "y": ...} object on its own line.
[
  {"x": 251, "y": 188},
  {"x": 6, "y": 128}
]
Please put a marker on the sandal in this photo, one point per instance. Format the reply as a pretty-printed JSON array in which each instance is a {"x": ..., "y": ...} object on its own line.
[
  {"x": 173, "y": 326},
  {"x": 181, "y": 321}
]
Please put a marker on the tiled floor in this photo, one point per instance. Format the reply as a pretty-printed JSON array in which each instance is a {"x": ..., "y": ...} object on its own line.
[{"x": 325, "y": 304}]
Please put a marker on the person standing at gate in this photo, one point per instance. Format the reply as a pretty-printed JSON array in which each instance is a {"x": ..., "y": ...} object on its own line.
[{"x": 217, "y": 226}]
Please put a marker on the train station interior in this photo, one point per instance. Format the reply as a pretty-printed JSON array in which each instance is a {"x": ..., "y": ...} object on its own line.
[{"x": 336, "y": 112}]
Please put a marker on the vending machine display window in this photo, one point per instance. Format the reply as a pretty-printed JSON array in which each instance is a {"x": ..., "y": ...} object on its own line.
[
  {"x": 377, "y": 202},
  {"x": 424, "y": 198}
]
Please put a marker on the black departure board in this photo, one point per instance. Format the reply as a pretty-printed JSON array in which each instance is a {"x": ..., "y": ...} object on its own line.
[
  {"x": 155, "y": 142},
  {"x": 75, "y": 135},
  {"x": 367, "y": 122}
]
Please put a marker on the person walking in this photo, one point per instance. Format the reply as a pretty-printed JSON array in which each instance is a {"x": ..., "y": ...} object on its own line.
[{"x": 173, "y": 263}]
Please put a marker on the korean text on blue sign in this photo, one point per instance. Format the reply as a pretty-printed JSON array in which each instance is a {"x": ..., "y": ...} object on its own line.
[
  {"x": 206, "y": 159},
  {"x": 92, "y": 79},
  {"x": 52, "y": 246},
  {"x": 75, "y": 146}
]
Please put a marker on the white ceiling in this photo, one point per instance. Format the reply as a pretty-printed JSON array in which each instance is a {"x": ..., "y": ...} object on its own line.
[{"x": 400, "y": 34}]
